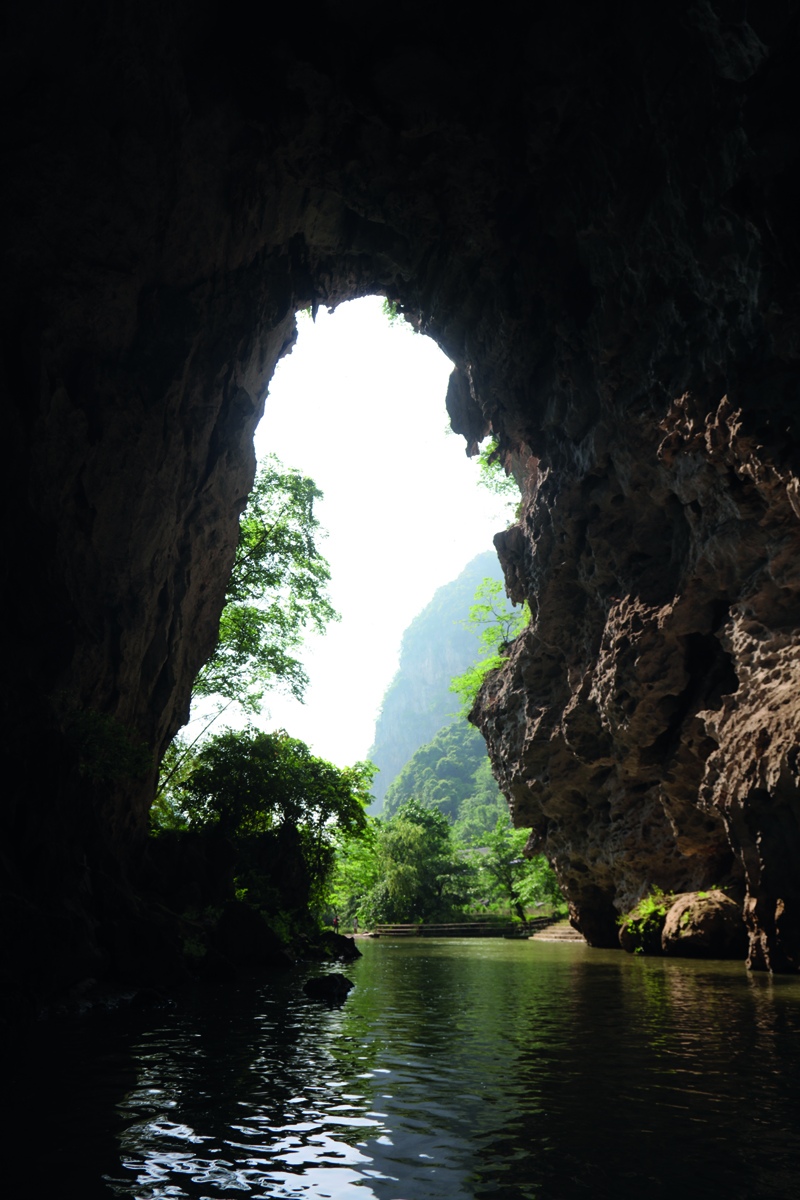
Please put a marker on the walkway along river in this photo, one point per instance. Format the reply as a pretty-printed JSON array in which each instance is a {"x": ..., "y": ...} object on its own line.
[{"x": 454, "y": 1069}]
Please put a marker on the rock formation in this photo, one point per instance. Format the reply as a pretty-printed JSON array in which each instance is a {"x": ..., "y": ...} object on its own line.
[
  {"x": 704, "y": 925},
  {"x": 592, "y": 208}
]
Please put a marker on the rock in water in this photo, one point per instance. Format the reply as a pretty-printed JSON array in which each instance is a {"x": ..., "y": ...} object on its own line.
[
  {"x": 245, "y": 938},
  {"x": 705, "y": 925},
  {"x": 333, "y": 987}
]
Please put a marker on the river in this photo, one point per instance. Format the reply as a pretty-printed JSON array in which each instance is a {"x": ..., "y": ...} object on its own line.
[{"x": 455, "y": 1068}]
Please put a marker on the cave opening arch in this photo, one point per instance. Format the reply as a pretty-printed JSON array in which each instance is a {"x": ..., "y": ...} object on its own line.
[{"x": 593, "y": 215}]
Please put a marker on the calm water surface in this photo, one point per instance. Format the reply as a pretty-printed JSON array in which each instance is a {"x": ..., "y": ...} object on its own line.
[{"x": 455, "y": 1069}]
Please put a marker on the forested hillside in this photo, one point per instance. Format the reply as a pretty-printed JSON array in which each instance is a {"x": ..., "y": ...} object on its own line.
[
  {"x": 435, "y": 647},
  {"x": 451, "y": 773}
]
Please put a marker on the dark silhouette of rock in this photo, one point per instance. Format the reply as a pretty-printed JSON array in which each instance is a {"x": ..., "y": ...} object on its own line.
[
  {"x": 705, "y": 925},
  {"x": 339, "y": 945},
  {"x": 245, "y": 938},
  {"x": 213, "y": 967},
  {"x": 332, "y": 988}
]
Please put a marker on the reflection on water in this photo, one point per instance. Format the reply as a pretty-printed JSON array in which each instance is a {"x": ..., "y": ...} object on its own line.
[{"x": 454, "y": 1069}]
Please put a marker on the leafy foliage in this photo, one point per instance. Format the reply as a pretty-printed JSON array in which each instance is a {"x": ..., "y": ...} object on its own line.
[
  {"x": 478, "y": 813},
  {"x": 177, "y": 765},
  {"x": 497, "y": 627},
  {"x": 277, "y": 589},
  {"x": 247, "y": 781},
  {"x": 505, "y": 873},
  {"x": 412, "y": 867},
  {"x": 270, "y": 795},
  {"x": 642, "y": 926},
  {"x": 395, "y": 318},
  {"x": 492, "y": 476},
  {"x": 407, "y": 869}
]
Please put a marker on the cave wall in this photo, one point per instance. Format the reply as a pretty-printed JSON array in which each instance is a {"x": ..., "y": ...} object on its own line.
[{"x": 591, "y": 209}]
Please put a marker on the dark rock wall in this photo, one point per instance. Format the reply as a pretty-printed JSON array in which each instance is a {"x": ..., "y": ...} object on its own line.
[{"x": 592, "y": 210}]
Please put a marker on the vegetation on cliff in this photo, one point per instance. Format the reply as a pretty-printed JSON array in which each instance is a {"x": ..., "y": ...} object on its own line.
[
  {"x": 277, "y": 589},
  {"x": 265, "y": 794},
  {"x": 496, "y": 626},
  {"x": 492, "y": 476}
]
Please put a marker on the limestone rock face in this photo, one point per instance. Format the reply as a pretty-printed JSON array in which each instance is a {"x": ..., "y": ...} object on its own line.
[
  {"x": 593, "y": 209},
  {"x": 704, "y": 925}
]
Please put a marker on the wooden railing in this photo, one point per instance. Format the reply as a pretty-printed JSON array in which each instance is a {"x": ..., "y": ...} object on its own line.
[{"x": 466, "y": 929}]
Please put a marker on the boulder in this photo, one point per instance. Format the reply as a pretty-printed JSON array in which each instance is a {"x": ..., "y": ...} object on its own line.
[
  {"x": 245, "y": 938},
  {"x": 333, "y": 987},
  {"x": 705, "y": 925},
  {"x": 339, "y": 946}
]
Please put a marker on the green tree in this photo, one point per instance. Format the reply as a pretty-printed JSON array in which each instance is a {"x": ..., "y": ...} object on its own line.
[
  {"x": 492, "y": 476},
  {"x": 498, "y": 626},
  {"x": 451, "y": 773},
  {"x": 410, "y": 870},
  {"x": 359, "y": 868},
  {"x": 277, "y": 589},
  {"x": 479, "y": 812},
  {"x": 252, "y": 787},
  {"x": 506, "y": 874}
]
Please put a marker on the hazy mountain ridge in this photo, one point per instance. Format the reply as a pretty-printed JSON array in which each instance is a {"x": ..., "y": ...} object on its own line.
[{"x": 417, "y": 703}]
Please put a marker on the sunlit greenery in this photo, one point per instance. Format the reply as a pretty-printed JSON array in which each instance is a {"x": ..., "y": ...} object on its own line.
[
  {"x": 277, "y": 590},
  {"x": 271, "y": 797},
  {"x": 492, "y": 476},
  {"x": 451, "y": 773},
  {"x": 413, "y": 867},
  {"x": 496, "y": 628}
]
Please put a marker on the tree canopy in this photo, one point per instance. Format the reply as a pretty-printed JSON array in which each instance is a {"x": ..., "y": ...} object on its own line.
[
  {"x": 406, "y": 869},
  {"x": 504, "y": 872},
  {"x": 270, "y": 796},
  {"x": 248, "y": 781},
  {"x": 415, "y": 867},
  {"x": 278, "y": 588}
]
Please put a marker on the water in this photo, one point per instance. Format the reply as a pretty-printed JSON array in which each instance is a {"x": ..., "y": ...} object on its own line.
[{"x": 456, "y": 1069}]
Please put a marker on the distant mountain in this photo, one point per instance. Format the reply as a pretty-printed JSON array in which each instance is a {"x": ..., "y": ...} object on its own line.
[{"x": 435, "y": 647}]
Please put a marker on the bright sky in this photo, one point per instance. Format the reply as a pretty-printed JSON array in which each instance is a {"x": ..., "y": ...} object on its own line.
[{"x": 359, "y": 406}]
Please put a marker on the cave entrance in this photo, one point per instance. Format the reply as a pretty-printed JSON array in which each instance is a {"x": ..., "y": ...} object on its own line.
[{"x": 359, "y": 405}]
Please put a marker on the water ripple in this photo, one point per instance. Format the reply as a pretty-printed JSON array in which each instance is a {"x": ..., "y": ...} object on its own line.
[{"x": 454, "y": 1069}]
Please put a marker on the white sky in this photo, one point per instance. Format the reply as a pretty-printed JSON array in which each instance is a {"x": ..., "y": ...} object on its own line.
[{"x": 359, "y": 406}]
